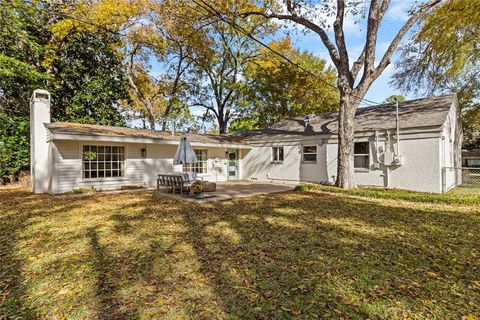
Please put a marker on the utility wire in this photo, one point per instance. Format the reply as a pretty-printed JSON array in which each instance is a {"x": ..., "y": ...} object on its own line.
[
  {"x": 206, "y": 6},
  {"x": 214, "y": 11}
]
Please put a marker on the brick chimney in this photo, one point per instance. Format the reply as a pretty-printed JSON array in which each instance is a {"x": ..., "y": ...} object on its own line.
[{"x": 40, "y": 167}]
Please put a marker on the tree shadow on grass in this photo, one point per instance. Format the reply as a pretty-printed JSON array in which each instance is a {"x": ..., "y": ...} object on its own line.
[
  {"x": 20, "y": 210},
  {"x": 13, "y": 293},
  {"x": 108, "y": 306},
  {"x": 330, "y": 256}
]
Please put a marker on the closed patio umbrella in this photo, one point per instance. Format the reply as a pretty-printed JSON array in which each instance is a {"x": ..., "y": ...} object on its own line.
[{"x": 185, "y": 153}]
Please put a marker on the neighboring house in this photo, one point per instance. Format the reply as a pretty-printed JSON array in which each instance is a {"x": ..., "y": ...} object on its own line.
[
  {"x": 66, "y": 156},
  {"x": 471, "y": 158}
]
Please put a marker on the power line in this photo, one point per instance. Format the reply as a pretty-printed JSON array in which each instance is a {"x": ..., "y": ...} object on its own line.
[{"x": 211, "y": 9}]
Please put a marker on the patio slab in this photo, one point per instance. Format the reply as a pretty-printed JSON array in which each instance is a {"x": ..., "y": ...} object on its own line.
[{"x": 237, "y": 189}]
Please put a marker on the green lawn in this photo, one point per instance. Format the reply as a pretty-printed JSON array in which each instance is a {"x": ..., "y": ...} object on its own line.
[{"x": 304, "y": 255}]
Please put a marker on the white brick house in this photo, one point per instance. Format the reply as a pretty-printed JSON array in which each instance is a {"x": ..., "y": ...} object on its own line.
[{"x": 66, "y": 156}]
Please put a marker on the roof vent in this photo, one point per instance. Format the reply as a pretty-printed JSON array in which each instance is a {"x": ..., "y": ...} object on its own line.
[{"x": 309, "y": 118}]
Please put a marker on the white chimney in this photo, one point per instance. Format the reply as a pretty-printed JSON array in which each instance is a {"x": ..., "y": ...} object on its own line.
[{"x": 39, "y": 146}]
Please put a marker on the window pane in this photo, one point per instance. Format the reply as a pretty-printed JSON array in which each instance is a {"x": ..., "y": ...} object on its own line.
[
  {"x": 280, "y": 154},
  {"x": 310, "y": 157},
  {"x": 103, "y": 161},
  {"x": 472, "y": 162},
  {"x": 361, "y": 148},
  {"x": 310, "y": 149},
  {"x": 361, "y": 162}
]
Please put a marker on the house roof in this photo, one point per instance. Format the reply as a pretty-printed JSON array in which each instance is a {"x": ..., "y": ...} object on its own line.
[
  {"x": 426, "y": 112},
  {"x": 471, "y": 153},
  {"x": 418, "y": 113},
  {"x": 66, "y": 129}
]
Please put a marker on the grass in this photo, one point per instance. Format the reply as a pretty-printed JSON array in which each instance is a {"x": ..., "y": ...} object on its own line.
[
  {"x": 461, "y": 196},
  {"x": 302, "y": 255}
]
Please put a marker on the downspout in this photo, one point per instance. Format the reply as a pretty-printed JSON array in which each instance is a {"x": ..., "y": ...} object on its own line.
[
  {"x": 387, "y": 168},
  {"x": 398, "y": 126}
]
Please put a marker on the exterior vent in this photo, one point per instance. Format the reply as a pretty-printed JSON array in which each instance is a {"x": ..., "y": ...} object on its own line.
[
  {"x": 309, "y": 118},
  {"x": 42, "y": 95}
]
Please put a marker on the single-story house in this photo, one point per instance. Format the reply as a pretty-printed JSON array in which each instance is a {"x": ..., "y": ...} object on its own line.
[
  {"x": 66, "y": 156},
  {"x": 471, "y": 158}
]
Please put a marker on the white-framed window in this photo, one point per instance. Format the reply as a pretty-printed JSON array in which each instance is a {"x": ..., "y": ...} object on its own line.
[
  {"x": 361, "y": 158},
  {"x": 277, "y": 154},
  {"x": 201, "y": 165},
  {"x": 103, "y": 162},
  {"x": 472, "y": 163},
  {"x": 309, "y": 153}
]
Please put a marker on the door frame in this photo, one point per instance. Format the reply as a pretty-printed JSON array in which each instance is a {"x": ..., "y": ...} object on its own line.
[{"x": 237, "y": 164}]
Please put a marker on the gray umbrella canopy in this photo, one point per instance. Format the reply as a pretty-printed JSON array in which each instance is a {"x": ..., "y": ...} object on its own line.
[{"x": 185, "y": 153}]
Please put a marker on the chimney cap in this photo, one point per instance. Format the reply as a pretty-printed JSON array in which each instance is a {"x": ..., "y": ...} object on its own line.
[{"x": 40, "y": 94}]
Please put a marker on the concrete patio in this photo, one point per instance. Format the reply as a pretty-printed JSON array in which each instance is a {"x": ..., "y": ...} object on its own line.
[{"x": 233, "y": 190}]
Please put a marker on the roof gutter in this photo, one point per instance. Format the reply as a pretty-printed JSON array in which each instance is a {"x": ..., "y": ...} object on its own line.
[{"x": 129, "y": 139}]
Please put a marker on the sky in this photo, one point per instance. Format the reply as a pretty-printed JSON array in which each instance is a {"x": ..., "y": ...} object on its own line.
[{"x": 394, "y": 19}]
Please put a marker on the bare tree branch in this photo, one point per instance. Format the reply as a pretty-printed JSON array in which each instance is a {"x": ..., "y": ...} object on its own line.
[
  {"x": 332, "y": 50},
  {"x": 386, "y": 60},
  {"x": 340, "y": 37}
]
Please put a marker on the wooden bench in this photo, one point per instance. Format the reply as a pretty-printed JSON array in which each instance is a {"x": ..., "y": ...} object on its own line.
[{"x": 173, "y": 182}]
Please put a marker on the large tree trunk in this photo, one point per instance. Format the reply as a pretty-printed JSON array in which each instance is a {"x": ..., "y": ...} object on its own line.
[
  {"x": 151, "y": 122},
  {"x": 222, "y": 126},
  {"x": 345, "y": 168}
]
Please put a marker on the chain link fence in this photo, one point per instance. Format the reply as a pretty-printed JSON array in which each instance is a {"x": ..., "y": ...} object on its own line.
[{"x": 461, "y": 178}]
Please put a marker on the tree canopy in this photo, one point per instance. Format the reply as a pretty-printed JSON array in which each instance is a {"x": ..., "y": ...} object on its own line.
[
  {"x": 90, "y": 79},
  {"x": 277, "y": 89},
  {"x": 82, "y": 71},
  {"x": 444, "y": 57}
]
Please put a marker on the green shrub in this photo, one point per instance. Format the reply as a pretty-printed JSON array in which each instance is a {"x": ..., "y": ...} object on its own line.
[
  {"x": 82, "y": 190},
  {"x": 131, "y": 187},
  {"x": 14, "y": 147}
]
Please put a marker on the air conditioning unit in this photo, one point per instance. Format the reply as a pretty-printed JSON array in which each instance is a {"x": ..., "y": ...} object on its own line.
[{"x": 388, "y": 158}]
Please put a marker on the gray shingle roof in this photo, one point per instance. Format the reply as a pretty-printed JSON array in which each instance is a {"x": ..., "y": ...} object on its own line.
[
  {"x": 98, "y": 130},
  {"x": 425, "y": 112}
]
